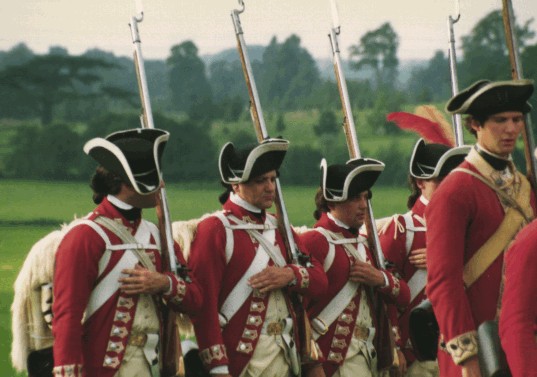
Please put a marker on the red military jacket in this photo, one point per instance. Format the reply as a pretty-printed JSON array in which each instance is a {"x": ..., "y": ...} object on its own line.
[
  {"x": 462, "y": 215},
  {"x": 395, "y": 292},
  {"x": 222, "y": 347},
  {"x": 393, "y": 241},
  {"x": 518, "y": 318},
  {"x": 83, "y": 348}
]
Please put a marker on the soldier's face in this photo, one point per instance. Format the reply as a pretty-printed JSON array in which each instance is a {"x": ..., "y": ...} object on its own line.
[
  {"x": 130, "y": 196},
  {"x": 500, "y": 132},
  {"x": 259, "y": 191},
  {"x": 352, "y": 211}
]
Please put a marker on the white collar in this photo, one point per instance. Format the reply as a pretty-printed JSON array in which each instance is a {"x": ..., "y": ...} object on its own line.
[
  {"x": 424, "y": 200},
  {"x": 338, "y": 222},
  {"x": 118, "y": 203},
  {"x": 243, "y": 203}
]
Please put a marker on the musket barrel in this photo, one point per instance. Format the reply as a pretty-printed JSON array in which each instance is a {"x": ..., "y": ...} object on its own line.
[
  {"x": 348, "y": 126},
  {"x": 255, "y": 108},
  {"x": 516, "y": 72},
  {"x": 457, "y": 118},
  {"x": 147, "y": 112}
]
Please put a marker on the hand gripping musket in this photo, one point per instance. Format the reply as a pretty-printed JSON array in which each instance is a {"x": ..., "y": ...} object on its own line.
[
  {"x": 308, "y": 351},
  {"x": 385, "y": 351},
  {"x": 516, "y": 73},
  {"x": 170, "y": 341},
  {"x": 457, "y": 118}
]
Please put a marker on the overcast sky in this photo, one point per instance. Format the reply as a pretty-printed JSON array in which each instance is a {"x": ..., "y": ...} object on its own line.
[{"x": 80, "y": 25}]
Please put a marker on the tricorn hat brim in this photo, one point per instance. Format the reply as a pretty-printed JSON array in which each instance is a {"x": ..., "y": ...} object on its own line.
[
  {"x": 134, "y": 155},
  {"x": 344, "y": 181},
  {"x": 486, "y": 98},
  {"x": 429, "y": 161},
  {"x": 241, "y": 165}
]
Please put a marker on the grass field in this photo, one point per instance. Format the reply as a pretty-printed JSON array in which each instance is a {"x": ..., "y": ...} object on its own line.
[{"x": 29, "y": 210}]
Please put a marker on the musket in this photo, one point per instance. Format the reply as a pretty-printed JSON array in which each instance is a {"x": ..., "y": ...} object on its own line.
[
  {"x": 354, "y": 152},
  {"x": 516, "y": 73},
  {"x": 170, "y": 340},
  {"x": 457, "y": 118},
  {"x": 308, "y": 351}
]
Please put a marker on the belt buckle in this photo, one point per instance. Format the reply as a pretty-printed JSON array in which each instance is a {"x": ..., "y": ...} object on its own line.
[
  {"x": 138, "y": 340},
  {"x": 274, "y": 328}
]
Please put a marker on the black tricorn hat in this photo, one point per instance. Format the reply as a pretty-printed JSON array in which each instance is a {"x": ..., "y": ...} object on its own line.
[
  {"x": 430, "y": 161},
  {"x": 486, "y": 98},
  {"x": 343, "y": 181},
  {"x": 134, "y": 155},
  {"x": 239, "y": 165}
]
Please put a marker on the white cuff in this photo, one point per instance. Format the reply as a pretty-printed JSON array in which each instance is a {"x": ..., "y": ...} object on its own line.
[
  {"x": 386, "y": 281},
  {"x": 221, "y": 369}
]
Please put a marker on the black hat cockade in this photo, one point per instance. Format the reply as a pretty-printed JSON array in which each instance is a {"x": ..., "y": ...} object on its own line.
[
  {"x": 134, "y": 155},
  {"x": 484, "y": 98},
  {"x": 344, "y": 181},
  {"x": 240, "y": 165},
  {"x": 430, "y": 161}
]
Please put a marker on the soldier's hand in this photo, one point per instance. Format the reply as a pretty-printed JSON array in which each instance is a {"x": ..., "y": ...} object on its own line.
[
  {"x": 141, "y": 280},
  {"x": 365, "y": 273},
  {"x": 271, "y": 278},
  {"x": 418, "y": 258},
  {"x": 402, "y": 362}
]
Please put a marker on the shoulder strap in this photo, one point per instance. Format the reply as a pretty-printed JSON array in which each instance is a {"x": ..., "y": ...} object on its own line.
[
  {"x": 514, "y": 218},
  {"x": 331, "y": 249}
]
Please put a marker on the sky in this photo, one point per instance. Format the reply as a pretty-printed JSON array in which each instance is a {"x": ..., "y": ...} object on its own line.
[{"x": 81, "y": 25}]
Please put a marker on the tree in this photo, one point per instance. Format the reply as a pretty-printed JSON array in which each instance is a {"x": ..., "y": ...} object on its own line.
[
  {"x": 288, "y": 74},
  {"x": 431, "y": 83},
  {"x": 47, "y": 81},
  {"x": 280, "y": 124},
  {"x": 328, "y": 123},
  {"x": 378, "y": 49},
  {"x": 188, "y": 81},
  {"x": 485, "y": 54}
]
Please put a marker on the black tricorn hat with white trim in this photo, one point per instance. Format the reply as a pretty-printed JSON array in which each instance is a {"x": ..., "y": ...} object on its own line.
[
  {"x": 240, "y": 165},
  {"x": 134, "y": 155},
  {"x": 430, "y": 161},
  {"x": 486, "y": 97},
  {"x": 340, "y": 182}
]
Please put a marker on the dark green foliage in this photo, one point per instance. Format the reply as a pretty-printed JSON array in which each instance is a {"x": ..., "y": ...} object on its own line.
[
  {"x": 328, "y": 123},
  {"x": 50, "y": 153},
  {"x": 301, "y": 166},
  {"x": 378, "y": 50},
  {"x": 187, "y": 78},
  {"x": 280, "y": 124},
  {"x": 432, "y": 83},
  {"x": 396, "y": 160},
  {"x": 288, "y": 74}
]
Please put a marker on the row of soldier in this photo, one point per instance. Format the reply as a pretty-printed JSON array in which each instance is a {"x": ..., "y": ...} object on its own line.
[{"x": 469, "y": 202}]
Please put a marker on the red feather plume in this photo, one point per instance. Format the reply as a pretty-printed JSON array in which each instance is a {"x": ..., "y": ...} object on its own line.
[{"x": 431, "y": 131}]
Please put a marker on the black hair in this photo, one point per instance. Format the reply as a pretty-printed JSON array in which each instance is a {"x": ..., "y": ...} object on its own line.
[
  {"x": 225, "y": 195},
  {"x": 321, "y": 204},
  {"x": 415, "y": 192},
  {"x": 103, "y": 183},
  {"x": 479, "y": 118}
]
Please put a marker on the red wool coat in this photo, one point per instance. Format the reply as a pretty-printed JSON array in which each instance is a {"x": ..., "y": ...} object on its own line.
[
  {"x": 85, "y": 345},
  {"x": 338, "y": 274},
  {"x": 220, "y": 347},
  {"x": 462, "y": 215},
  {"x": 518, "y": 318},
  {"x": 393, "y": 241}
]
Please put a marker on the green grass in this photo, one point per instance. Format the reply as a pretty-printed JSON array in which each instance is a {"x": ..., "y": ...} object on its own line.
[{"x": 31, "y": 209}]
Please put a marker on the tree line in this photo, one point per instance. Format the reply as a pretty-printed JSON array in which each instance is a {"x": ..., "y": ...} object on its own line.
[{"x": 50, "y": 104}]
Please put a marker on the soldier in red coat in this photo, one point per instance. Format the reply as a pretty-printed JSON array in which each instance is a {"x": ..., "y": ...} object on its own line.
[
  {"x": 247, "y": 325},
  {"x": 472, "y": 218},
  {"x": 109, "y": 288},
  {"x": 403, "y": 240},
  {"x": 518, "y": 317},
  {"x": 343, "y": 319}
]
